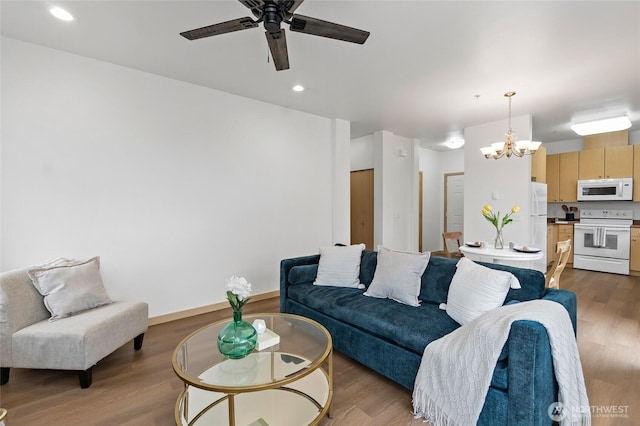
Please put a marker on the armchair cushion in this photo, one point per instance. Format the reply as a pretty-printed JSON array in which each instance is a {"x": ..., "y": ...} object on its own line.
[{"x": 70, "y": 287}]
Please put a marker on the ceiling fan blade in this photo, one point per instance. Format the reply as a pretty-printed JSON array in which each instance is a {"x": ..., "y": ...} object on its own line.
[
  {"x": 221, "y": 28},
  {"x": 290, "y": 5},
  {"x": 254, "y": 5},
  {"x": 318, "y": 27},
  {"x": 278, "y": 46}
]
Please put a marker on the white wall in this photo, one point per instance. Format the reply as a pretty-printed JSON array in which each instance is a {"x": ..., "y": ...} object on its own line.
[
  {"x": 341, "y": 181},
  {"x": 175, "y": 186},
  {"x": 502, "y": 183},
  {"x": 432, "y": 199},
  {"x": 362, "y": 157},
  {"x": 434, "y": 166},
  {"x": 395, "y": 191}
]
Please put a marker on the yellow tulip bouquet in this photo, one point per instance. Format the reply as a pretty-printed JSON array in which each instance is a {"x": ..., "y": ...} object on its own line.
[{"x": 494, "y": 218}]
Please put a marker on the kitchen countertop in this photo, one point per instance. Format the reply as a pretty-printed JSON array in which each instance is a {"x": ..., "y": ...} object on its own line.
[{"x": 552, "y": 221}]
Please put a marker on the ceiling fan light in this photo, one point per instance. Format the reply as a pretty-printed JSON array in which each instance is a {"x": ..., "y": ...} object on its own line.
[{"x": 606, "y": 125}]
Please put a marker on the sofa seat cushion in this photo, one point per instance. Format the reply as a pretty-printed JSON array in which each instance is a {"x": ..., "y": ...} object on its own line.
[
  {"x": 412, "y": 328},
  {"x": 80, "y": 341}
]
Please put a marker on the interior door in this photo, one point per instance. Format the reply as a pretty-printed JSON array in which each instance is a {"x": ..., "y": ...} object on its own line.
[
  {"x": 362, "y": 208},
  {"x": 454, "y": 202}
]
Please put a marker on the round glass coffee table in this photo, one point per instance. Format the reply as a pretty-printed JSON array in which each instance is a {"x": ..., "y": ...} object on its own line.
[{"x": 290, "y": 383}]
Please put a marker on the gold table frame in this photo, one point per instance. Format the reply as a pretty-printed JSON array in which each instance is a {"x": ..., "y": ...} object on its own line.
[{"x": 311, "y": 370}]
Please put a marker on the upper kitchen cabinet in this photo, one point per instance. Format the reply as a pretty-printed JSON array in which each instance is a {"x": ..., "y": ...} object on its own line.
[
  {"x": 553, "y": 178},
  {"x": 562, "y": 177},
  {"x": 636, "y": 172},
  {"x": 606, "y": 163},
  {"x": 606, "y": 140},
  {"x": 539, "y": 165}
]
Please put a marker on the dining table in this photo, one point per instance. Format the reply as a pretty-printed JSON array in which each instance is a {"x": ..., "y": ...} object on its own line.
[{"x": 514, "y": 257}]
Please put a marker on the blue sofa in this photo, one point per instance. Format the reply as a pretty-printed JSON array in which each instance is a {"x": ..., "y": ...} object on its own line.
[{"x": 390, "y": 337}]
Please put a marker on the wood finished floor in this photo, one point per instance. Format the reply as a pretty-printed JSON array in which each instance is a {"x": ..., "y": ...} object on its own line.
[{"x": 140, "y": 388}]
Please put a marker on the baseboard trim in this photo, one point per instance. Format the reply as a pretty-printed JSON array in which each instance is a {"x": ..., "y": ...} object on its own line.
[{"x": 160, "y": 319}]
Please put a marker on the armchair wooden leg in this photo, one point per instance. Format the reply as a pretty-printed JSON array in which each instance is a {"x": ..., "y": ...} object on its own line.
[
  {"x": 4, "y": 375},
  {"x": 85, "y": 378},
  {"x": 137, "y": 342}
]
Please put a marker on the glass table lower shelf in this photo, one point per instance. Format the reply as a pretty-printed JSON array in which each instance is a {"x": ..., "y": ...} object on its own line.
[{"x": 299, "y": 403}]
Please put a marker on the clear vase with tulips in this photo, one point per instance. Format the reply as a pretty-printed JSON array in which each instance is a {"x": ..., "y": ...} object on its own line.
[{"x": 499, "y": 223}]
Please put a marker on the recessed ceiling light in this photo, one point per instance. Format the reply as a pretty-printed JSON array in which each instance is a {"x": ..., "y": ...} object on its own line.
[
  {"x": 61, "y": 14},
  {"x": 602, "y": 126},
  {"x": 298, "y": 88}
]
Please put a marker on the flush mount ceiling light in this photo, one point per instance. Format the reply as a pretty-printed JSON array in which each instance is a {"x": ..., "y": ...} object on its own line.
[
  {"x": 510, "y": 146},
  {"x": 606, "y": 125},
  {"x": 298, "y": 88},
  {"x": 454, "y": 143},
  {"x": 61, "y": 14}
]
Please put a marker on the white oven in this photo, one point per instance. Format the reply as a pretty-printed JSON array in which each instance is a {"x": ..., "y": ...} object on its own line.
[{"x": 602, "y": 241}]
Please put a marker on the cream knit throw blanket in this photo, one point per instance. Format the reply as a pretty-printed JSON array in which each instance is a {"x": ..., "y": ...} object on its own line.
[{"x": 456, "y": 370}]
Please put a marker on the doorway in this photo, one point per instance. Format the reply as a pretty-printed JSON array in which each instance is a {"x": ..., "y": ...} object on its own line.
[{"x": 362, "y": 208}]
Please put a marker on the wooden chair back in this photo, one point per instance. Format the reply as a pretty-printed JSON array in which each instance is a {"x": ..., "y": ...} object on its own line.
[
  {"x": 452, "y": 237},
  {"x": 563, "y": 249}
]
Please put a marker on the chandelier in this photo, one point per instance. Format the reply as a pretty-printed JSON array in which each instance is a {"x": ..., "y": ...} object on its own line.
[{"x": 510, "y": 146}]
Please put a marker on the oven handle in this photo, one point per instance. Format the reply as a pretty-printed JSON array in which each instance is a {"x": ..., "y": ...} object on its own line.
[{"x": 609, "y": 228}]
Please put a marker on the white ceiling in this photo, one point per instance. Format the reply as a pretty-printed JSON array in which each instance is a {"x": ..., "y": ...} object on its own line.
[{"x": 428, "y": 70}]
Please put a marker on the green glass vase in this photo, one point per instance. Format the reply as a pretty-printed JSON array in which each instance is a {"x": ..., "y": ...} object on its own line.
[{"x": 238, "y": 338}]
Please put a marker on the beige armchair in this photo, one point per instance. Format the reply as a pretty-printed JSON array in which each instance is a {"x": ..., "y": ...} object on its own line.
[{"x": 28, "y": 339}]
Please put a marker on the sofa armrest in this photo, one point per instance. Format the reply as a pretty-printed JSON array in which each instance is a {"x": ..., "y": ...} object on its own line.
[
  {"x": 285, "y": 268},
  {"x": 567, "y": 299},
  {"x": 20, "y": 306},
  {"x": 532, "y": 384}
]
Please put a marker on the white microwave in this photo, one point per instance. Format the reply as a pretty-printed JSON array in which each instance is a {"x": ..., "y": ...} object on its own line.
[{"x": 620, "y": 189}]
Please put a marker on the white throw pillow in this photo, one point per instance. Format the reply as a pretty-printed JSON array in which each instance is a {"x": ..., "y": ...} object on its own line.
[
  {"x": 398, "y": 276},
  {"x": 476, "y": 289},
  {"x": 339, "y": 266},
  {"x": 70, "y": 287}
]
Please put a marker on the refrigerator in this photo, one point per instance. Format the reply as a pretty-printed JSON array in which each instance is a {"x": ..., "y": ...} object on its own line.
[{"x": 538, "y": 223}]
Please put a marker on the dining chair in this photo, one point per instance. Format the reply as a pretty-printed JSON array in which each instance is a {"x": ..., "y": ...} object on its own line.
[
  {"x": 451, "y": 238},
  {"x": 563, "y": 249}
]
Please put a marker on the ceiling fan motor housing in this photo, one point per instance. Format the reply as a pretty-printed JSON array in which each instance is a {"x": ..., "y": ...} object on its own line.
[{"x": 272, "y": 16}]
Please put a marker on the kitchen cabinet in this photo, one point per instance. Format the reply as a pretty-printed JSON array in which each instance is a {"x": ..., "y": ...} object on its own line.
[
  {"x": 562, "y": 177},
  {"x": 606, "y": 163},
  {"x": 539, "y": 165},
  {"x": 553, "y": 178},
  {"x": 564, "y": 233},
  {"x": 552, "y": 239},
  {"x": 636, "y": 172},
  {"x": 634, "y": 254},
  {"x": 605, "y": 140}
]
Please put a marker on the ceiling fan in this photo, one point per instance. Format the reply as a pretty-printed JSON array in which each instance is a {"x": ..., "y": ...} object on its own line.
[{"x": 272, "y": 13}]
